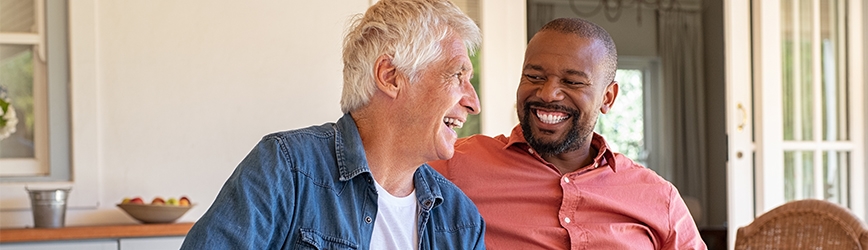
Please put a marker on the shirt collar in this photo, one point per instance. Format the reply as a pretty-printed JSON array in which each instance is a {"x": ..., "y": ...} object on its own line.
[
  {"x": 349, "y": 150},
  {"x": 605, "y": 156}
]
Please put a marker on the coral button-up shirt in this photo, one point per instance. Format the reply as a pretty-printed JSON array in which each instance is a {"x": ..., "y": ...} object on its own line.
[{"x": 527, "y": 203}]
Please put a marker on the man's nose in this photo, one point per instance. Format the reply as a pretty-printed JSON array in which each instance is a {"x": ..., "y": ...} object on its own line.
[
  {"x": 550, "y": 91},
  {"x": 470, "y": 100}
]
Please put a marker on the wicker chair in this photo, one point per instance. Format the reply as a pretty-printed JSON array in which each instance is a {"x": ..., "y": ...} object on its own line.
[{"x": 804, "y": 224}]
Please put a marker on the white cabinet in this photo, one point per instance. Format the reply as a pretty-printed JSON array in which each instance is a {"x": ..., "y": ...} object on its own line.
[
  {"x": 63, "y": 245},
  {"x": 149, "y": 243},
  {"x": 158, "y": 243}
]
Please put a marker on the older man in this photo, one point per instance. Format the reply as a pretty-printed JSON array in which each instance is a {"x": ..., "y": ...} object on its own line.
[
  {"x": 362, "y": 182},
  {"x": 554, "y": 183}
]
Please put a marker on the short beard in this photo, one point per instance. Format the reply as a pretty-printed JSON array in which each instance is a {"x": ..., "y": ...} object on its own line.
[{"x": 575, "y": 137}]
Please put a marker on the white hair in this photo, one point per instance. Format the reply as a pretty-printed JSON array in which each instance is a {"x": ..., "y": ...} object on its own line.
[{"x": 410, "y": 31}]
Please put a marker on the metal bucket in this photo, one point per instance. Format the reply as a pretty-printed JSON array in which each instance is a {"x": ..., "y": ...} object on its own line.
[{"x": 49, "y": 207}]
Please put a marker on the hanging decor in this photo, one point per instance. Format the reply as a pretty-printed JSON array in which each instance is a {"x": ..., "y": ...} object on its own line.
[{"x": 613, "y": 8}]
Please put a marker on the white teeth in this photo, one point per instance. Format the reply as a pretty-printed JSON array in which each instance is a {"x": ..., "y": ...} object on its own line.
[
  {"x": 551, "y": 119},
  {"x": 452, "y": 122}
]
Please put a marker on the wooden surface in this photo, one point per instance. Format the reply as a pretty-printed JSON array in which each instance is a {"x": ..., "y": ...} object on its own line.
[{"x": 94, "y": 232}]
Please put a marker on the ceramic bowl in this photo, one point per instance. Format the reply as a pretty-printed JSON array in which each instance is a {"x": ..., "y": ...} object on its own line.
[{"x": 155, "y": 213}]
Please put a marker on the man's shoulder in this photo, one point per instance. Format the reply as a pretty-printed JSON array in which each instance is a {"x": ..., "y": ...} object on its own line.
[
  {"x": 454, "y": 201},
  {"x": 639, "y": 173},
  {"x": 452, "y": 195},
  {"x": 325, "y": 130},
  {"x": 480, "y": 141}
]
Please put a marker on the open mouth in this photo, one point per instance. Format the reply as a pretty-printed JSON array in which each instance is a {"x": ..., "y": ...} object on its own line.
[
  {"x": 453, "y": 123},
  {"x": 550, "y": 117}
]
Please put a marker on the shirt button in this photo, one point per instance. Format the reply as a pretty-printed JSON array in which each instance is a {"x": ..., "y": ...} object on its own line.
[
  {"x": 530, "y": 150},
  {"x": 368, "y": 219},
  {"x": 567, "y": 220},
  {"x": 567, "y": 180},
  {"x": 596, "y": 165}
]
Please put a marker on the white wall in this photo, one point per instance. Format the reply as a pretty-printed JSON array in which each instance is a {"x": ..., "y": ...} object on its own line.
[{"x": 172, "y": 94}]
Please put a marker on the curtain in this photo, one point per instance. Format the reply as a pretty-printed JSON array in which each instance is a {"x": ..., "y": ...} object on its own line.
[{"x": 680, "y": 49}]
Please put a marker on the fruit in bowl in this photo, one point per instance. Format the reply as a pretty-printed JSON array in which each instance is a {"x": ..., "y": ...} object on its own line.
[{"x": 159, "y": 211}]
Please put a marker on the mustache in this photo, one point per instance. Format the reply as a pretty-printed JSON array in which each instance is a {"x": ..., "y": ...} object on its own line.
[{"x": 551, "y": 106}]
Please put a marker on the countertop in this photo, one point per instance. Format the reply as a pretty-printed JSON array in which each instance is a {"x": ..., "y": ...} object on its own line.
[{"x": 94, "y": 232}]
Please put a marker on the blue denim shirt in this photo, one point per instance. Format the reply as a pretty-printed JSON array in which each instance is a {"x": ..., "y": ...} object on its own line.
[{"x": 311, "y": 188}]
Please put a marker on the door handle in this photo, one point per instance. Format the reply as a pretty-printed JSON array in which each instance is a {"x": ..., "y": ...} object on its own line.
[{"x": 743, "y": 121}]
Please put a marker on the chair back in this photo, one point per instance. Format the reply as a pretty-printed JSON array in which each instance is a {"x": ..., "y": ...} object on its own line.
[{"x": 804, "y": 224}]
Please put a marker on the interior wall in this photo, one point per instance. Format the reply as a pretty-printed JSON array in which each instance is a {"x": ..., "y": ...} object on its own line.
[
  {"x": 864, "y": 88},
  {"x": 184, "y": 89},
  {"x": 634, "y": 32},
  {"x": 715, "y": 105}
]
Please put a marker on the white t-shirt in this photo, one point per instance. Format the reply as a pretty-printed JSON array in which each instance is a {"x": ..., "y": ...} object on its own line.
[{"x": 395, "y": 226}]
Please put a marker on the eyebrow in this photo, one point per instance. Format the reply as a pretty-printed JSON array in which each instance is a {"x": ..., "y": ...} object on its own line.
[
  {"x": 533, "y": 67},
  {"x": 577, "y": 73},
  {"x": 568, "y": 71}
]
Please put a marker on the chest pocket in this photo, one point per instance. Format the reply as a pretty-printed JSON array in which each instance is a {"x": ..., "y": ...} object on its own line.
[{"x": 311, "y": 239}]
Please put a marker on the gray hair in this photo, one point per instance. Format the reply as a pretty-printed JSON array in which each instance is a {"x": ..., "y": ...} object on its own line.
[
  {"x": 410, "y": 31},
  {"x": 587, "y": 29}
]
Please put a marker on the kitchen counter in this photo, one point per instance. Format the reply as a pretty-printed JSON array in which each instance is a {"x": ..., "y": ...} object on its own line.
[{"x": 94, "y": 232}]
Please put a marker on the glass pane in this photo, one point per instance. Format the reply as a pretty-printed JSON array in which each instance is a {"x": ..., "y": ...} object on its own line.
[
  {"x": 624, "y": 126},
  {"x": 835, "y": 170},
  {"x": 797, "y": 69},
  {"x": 788, "y": 54},
  {"x": 798, "y": 175},
  {"x": 16, "y": 83},
  {"x": 834, "y": 98},
  {"x": 17, "y": 16}
]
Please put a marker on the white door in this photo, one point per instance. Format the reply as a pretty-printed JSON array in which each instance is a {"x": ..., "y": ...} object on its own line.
[{"x": 794, "y": 105}]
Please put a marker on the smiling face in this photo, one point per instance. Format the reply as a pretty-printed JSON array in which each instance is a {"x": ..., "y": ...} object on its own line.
[
  {"x": 563, "y": 89},
  {"x": 441, "y": 100}
]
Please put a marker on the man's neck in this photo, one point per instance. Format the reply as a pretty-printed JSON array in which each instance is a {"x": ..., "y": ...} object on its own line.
[
  {"x": 571, "y": 161},
  {"x": 386, "y": 155}
]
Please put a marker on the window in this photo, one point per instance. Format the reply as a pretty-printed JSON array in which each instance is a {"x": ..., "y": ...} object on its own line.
[
  {"x": 816, "y": 133},
  {"x": 34, "y": 83},
  {"x": 625, "y": 125}
]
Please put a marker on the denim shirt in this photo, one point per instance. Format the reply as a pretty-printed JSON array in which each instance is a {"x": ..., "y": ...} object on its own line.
[{"x": 311, "y": 188}]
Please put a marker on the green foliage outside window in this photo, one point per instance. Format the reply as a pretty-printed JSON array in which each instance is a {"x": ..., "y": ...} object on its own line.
[{"x": 623, "y": 126}]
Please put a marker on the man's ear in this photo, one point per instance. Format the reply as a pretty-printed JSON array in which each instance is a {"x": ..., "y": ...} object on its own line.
[
  {"x": 609, "y": 97},
  {"x": 386, "y": 76}
]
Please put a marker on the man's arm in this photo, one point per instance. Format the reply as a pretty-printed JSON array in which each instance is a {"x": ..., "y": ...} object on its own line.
[
  {"x": 250, "y": 210},
  {"x": 684, "y": 234}
]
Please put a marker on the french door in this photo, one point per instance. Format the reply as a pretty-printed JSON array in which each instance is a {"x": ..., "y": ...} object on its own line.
[{"x": 795, "y": 121}]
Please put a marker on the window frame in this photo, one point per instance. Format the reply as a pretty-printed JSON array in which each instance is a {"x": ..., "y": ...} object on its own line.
[
  {"x": 51, "y": 161},
  {"x": 653, "y": 97},
  {"x": 84, "y": 133}
]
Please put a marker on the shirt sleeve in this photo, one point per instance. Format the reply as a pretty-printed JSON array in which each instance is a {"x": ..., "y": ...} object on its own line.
[
  {"x": 684, "y": 234},
  {"x": 250, "y": 211}
]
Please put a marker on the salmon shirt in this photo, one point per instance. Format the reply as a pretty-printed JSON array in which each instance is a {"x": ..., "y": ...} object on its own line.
[{"x": 613, "y": 203}]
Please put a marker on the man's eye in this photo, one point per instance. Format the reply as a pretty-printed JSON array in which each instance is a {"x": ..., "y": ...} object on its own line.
[
  {"x": 533, "y": 77},
  {"x": 568, "y": 82}
]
